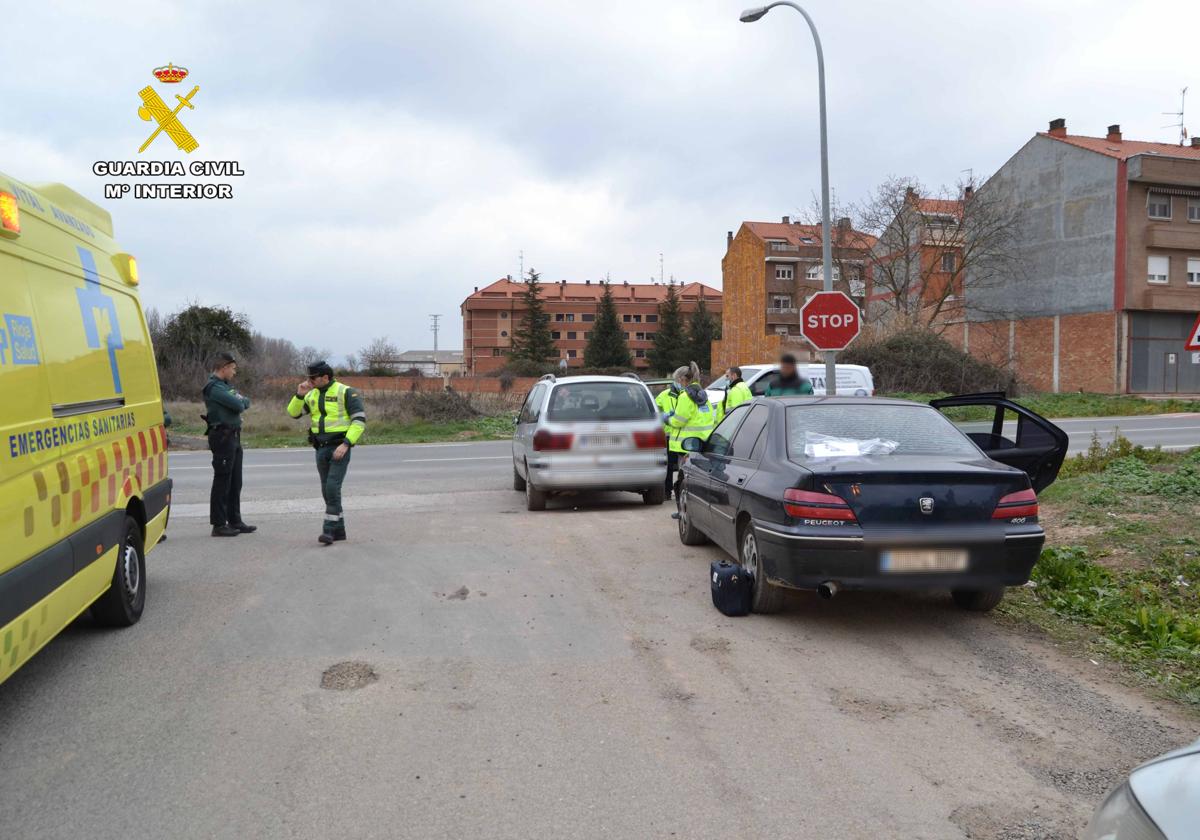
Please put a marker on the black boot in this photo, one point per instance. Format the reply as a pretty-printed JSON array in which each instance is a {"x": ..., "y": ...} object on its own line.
[
  {"x": 325, "y": 539},
  {"x": 225, "y": 531},
  {"x": 244, "y": 528}
]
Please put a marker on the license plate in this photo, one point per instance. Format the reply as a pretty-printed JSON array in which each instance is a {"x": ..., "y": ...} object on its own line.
[
  {"x": 600, "y": 441},
  {"x": 923, "y": 560}
]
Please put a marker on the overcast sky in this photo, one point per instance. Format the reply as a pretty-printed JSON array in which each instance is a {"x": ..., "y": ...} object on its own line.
[{"x": 399, "y": 154}]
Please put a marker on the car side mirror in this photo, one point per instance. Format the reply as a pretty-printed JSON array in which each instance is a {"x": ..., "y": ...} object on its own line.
[
  {"x": 516, "y": 419},
  {"x": 692, "y": 444}
]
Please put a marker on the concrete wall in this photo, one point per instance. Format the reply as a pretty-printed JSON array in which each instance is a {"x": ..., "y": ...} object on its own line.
[{"x": 1068, "y": 203}]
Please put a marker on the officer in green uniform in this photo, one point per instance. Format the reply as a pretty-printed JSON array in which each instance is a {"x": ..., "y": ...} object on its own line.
[
  {"x": 787, "y": 381},
  {"x": 338, "y": 422},
  {"x": 224, "y": 406}
]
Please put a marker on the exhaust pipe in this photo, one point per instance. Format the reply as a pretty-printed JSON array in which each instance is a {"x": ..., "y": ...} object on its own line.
[{"x": 828, "y": 589}]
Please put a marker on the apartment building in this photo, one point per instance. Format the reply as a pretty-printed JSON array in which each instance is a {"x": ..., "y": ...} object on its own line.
[
  {"x": 769, "y": 270},
  {"x": 1110, "y": 266},
  {"x": 490, "y": 313}
]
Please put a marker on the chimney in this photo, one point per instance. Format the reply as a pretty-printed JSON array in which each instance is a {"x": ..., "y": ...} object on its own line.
[
  {"x": 1196, "y": 142},
  {"x": 1114, "y": 134},
  {"x": 728, "y": 238},
  {"x": 477, "y": 288},
  {"x": 587, "y": 282},
  {"x": 1058, "y": 127},
  {"x": 843, "y": 223},
  {"x": 787, "y": 220},
  {"x": 968, "y": 191},
  {"x": 910, "y": 194}
]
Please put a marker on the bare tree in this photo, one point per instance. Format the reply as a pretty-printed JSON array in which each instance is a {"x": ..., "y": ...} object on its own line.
[
  {"x": 275, "y": 356},
  {"x": 377, "y": 357},
  {"x": 849, "y": 247},
  {"x": 308, "y": 355},
  {"x": 935, "y": 251}
]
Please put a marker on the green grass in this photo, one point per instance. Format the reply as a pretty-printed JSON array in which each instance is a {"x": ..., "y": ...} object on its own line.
[
  {"x": 1121, "y": 571},
  {"x": 267, "y": 426},
  {"x": 1069, "y": 405}
]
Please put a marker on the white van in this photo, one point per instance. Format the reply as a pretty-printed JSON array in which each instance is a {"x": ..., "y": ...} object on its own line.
[{"x": 852, "y": 380}]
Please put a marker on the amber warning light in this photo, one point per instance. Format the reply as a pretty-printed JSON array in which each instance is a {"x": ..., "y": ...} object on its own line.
[{"x": 10, "y": 214}]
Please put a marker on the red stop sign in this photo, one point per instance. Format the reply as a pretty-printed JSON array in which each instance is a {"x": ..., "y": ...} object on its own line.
[{"x": 830, "y": 320}]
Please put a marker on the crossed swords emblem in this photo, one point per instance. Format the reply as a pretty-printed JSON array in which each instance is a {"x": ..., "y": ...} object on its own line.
[{"x": 168, "y": 121}]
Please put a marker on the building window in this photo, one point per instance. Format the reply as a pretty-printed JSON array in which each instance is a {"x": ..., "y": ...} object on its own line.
[
  {"x": 637, "y": 319},
  {"x": 587, "y": 316},
  {"x": 784, "y": 272},
  {"x": 556, "y": 335},
  {"x": 628, "y": 337},
  {"x": 639, "y": 336},
  {"x": 626, "y": 318},
  {"x": 1194, "y": 209},
  {"x": 781, "y": 301},
  {"x": 651, "y": 319},
  {"x": 496, "y": 351},
  {"x": 504, "y": 333},
  {"x": 558, "y": 316},
  {"x": 639, "y": 354},
  {"x": 587, "y": 336},
  {"x": 1159, "y": 205},
  {"x": 1158, "y": 269},
  {"x": 571, "y": 317},
  {"x": 570, "y": 336},
  {"x": 504, "y": 315},
  {"x": 571, "y": 354},
  {"x": 948, "y": 261},
  {"x": 1193, "y": 271},
  {"x": 815, "y": 273}
]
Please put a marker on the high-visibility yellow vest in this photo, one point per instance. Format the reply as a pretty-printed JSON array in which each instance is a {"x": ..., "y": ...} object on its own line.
[
  {"x": 666, "y": 400},
  {"x": 335, "y": 410},
  {"x": 691, "y": 419}
]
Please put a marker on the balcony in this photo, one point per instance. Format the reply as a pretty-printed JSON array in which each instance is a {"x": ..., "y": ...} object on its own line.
[
  {"x": 783, "y": 315},
  {"x": 782, "y": 248},
  {"x": 1164, "y": 236}
]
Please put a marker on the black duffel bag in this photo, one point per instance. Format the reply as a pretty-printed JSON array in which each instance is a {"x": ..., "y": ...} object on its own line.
[{"x": 730, "y": 588}]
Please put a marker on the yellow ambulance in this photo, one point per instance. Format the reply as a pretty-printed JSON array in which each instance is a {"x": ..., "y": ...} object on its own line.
[{"x": 84, "y": 491}]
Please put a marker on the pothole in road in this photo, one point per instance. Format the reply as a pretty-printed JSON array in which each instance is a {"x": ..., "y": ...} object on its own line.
[{"x": 348, "y": 676}]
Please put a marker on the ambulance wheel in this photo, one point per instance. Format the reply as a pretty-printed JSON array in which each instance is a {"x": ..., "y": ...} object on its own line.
[
  {"x": 122, "y": 604},
  {"x": 689, "y": 534},
  {"x": 655, "y": 495},
  {"x": 765, "y": 597},
  {"x": 534, "y": 499},
  {"x": 518, "y": 482}
]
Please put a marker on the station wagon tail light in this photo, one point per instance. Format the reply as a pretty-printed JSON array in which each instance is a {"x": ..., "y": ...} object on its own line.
[
  {"x": 10, "y": 214},
  {"x": 545, "y": 440},
  {"x": 1023, "y": 503},
  {"x": 804, "y": 504},
  {"x": 650, "y": 440}
]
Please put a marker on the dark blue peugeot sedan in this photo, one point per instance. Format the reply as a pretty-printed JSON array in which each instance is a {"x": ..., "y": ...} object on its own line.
[{"x": 832, "y": 493}]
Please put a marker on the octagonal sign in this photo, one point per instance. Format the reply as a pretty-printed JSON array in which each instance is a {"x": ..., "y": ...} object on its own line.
[{"x": 830, "y": 320}]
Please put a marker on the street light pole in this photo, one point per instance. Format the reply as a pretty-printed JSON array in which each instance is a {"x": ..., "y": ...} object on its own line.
[{"x": 749, "y": 16}]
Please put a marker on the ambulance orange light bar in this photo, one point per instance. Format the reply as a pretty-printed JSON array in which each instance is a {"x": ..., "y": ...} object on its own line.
[{"x": 10, "y": 215}]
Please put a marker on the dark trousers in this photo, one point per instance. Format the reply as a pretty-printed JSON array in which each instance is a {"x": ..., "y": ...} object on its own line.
[
  {"x": 672, "y": 466},
  {"x": 332, "y": 474},
  {"x": 225, "y": 500}
]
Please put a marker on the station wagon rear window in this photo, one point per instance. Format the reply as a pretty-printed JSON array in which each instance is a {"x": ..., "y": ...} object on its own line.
[
  {"x": 918, "y": 430},
  {"x": 600, "y": 401}
]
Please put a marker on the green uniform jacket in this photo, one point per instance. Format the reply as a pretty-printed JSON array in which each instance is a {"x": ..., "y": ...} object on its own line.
[
  {"x": 223, "y": 403},
  {"x": 336, "y": 411},
  {"x": 692, "y": 418},
  {"x": 778, "y": 387}
]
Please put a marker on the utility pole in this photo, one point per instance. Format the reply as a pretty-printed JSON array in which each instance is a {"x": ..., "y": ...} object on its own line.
[
  {"x": 660, "y": 268},
  {"x": 434, "y": 329},
  {"x": 521, "y": 273}
]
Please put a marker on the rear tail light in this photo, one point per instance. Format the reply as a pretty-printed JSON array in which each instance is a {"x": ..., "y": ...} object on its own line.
[
  {"x": 545, "y": 440},
  {"x": 1023, "y": 503},
  {"x": 10, "y": 214},
  {"x": 804, "y": 504},
  {"x": 650, "y": 440}
]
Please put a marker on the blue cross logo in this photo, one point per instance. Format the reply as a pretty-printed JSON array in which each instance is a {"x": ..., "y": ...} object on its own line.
[{"x": 92, "y": 299}]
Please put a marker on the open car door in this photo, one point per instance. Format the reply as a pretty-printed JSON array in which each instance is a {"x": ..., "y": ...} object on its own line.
[{"x": 1036, "y": 445}]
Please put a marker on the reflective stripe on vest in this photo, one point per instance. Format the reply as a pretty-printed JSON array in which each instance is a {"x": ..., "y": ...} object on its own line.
[{"x": 328, "y": 410}]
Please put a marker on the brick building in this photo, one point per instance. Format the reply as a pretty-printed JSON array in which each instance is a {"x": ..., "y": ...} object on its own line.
[
  {"x": 769, "y": 270},
  {"x": 1111, "y": 266},
  {"x": 490, "y": 313}
]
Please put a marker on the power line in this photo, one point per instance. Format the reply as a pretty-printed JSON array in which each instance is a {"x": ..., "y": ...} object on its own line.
[{"x": 434, "y": 329}]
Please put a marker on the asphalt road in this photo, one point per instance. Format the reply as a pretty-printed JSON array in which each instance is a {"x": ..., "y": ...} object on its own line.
[{"x": 557, "y": 675}]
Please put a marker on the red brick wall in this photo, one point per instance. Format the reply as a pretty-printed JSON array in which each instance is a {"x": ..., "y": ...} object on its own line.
[
  {"x": 1087, "y": 348},
  {"x": 744, "y": 321},
  {"x": 1087, "y": 352},
  {"x": 463, "y": 384}
]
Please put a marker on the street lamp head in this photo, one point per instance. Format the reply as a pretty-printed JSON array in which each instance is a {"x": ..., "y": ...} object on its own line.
[{"x": 751, "y": 15}]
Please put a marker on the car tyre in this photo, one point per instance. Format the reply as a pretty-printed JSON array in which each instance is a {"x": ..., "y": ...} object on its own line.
[
  {"x": 765, "y": 597},
  {"x": 655, "y": 495},
  {"x": 122, "y": 603},
  {"x": 518, "y": 482},
  {"x": 689, "y": 534},
  {"x": 534, "y": 499},
  {"x": 978, "y": 600}
]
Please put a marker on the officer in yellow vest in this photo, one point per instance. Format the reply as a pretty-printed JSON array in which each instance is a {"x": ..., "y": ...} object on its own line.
[
  {"x": 666, "y": 401},
  {"x": 694, "y": 415},
  {"x": 338, "y": 422},
  {"x": 736, "y": 391}
]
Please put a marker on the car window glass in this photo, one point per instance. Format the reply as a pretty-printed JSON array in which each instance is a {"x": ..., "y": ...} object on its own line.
[
  {"x": 718, "y": 442},
  {"x": 759, "y": 386},
  {"x": 760, "y": 446},
  {"x": 600, "y": 401},
  {"x": 529, "y": 411},
  {"x": 1033, "y": 435},
  {"x": 718, "y": 384},
  {"x": 916, "y": 429},
  {"x": 747, "y": 434}
]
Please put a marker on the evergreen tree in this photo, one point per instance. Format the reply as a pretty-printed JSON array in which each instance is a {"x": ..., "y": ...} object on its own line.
[
  {"x": 703, "y": 329},
  {"x": 670, "y": 348},
  {"x": 607, "y": 348},
  {"x": 531, "y": 340}
]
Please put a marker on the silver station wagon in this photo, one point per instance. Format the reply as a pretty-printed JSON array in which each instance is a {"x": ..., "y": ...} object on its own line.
[{"x": 589, "y": 433}]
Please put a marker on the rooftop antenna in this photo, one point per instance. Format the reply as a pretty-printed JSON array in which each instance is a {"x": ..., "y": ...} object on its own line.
[
  {"x": 521, "y": 257},
  {"x": 660, "y": 267},
  {"x": 1183, "y": 134},
  {"x": 970, "y": 176},
  {"x": 434, "y": 329}
]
